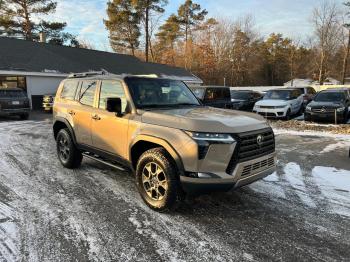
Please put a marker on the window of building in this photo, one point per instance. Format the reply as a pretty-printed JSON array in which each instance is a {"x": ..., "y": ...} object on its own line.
[
  {"x": 87, "y": 93},
  {"x": 110, "y": 89}
]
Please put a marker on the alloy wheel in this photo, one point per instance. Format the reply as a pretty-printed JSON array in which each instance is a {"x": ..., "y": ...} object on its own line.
[{"x": 154, "y": 181}]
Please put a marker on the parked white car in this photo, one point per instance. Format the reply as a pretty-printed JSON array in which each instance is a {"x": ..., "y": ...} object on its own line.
[{"x": 280, "y": 103}]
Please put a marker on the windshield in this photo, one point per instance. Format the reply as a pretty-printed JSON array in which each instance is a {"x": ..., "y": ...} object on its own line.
[
  {"x": 329, "y": 97},
  {"x": 153, "y": 93},
  {"x": 240, "y": 95},
  {"x": 278, "y": 95},
  {"x": 12, "y": 93}
]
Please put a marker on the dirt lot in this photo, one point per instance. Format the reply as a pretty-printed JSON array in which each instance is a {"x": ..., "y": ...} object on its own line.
[{"x": 48, "y": 213}]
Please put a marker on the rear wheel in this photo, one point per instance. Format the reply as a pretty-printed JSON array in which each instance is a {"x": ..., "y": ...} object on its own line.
[
  {"x": 68, "y": 154},
  {"x": 157, "y": 180},
  {"x": 24, "y": 116}
]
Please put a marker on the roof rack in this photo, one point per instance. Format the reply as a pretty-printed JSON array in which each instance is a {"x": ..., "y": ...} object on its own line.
[{"x": 87, "y": 74}]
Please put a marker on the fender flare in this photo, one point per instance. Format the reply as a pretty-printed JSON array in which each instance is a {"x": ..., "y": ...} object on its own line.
[
  {"x": 69, "y": 126},
  {"x": 164, "y": 144}
]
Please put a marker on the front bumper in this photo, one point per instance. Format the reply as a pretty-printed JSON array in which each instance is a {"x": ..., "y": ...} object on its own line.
[
  {"x": 271, "y": 112},
  {"x": 324, "y": 116},
  {"x": 244, "y": 173},
  {"x": 14, "y": 111}
]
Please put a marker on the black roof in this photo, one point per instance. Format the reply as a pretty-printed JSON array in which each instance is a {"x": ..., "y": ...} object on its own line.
[{"x": 31, "y": 56}]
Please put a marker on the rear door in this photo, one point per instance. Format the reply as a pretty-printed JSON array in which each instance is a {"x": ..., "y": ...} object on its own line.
[
  {"x": 83, "y": 113},
  {"x": 109, "y": 132}
]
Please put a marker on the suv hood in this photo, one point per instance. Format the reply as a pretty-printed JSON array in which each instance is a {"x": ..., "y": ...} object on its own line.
[
  {"x": 205, "y": 119},
  {"x": 271, "y": 102},
  {"x": 326, "y": 104}
]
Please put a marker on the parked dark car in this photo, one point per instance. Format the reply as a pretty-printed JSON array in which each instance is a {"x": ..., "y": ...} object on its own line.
[
  {"x": 48, "y": 102},
  {"x": 244, "y": 99},
  {"x": 14, "y": 102},
  {"x": 329, "y": 105},
  {"x": 214, "y": 96},
  {"x": 309, "y": 93}
]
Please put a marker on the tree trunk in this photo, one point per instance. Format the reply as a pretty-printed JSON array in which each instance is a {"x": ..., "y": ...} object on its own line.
[
  {"x": 345, "y": 61},
  {"x": 147, "y": 30},
  {"x": 321, "y": 75},
  {"x": 27, "y": 25}
]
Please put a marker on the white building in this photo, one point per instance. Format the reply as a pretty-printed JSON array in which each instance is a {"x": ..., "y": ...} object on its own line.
[{"x": 38, "y": 68}]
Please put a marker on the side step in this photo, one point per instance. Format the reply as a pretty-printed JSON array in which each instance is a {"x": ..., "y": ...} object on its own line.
[{"x": 98, "y": 159}]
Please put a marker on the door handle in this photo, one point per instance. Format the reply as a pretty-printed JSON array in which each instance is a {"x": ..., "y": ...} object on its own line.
[
  {"x": 71, "y": 112},
  {"x": 96, "y": 117}
]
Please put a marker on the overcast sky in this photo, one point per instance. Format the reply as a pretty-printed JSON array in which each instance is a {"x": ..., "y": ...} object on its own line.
[{"x": 290, "y": 17}]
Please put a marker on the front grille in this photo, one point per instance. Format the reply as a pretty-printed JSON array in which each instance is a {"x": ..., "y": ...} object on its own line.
[
  {"x": 267, "y": 114},
  {"x": 248, "y": 148},
  {"x": 323, "y": 110},
  {"x": 268, "y": 107},
  {"x": 251, "y": 169}
]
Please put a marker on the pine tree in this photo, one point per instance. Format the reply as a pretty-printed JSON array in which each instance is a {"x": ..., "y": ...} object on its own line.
[
  {"x": 16, "y": 20},
  {"x": 145, "y": 7},
  {"x": 189, "y": 15},
  {"x": 123, "y": 25}
]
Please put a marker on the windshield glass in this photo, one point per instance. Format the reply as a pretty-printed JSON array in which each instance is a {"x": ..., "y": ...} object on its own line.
[
  {"x": 330, "y": 97},
  {"x": 240, "y": 95},
  {"x": 152, "y": 93},
  {"x": 12, "y": 93},
  {"x": 278, "y": 95}
]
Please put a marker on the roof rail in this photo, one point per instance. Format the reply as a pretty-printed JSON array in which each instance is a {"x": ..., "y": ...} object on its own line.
[{"x": 87, "y": 74}]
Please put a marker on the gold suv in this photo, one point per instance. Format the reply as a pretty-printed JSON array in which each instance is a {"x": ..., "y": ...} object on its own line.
[{"x": 159, "y": 130}]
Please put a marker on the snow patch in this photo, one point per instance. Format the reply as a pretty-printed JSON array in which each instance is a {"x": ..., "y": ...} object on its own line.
[
  {"x": 333, "y": 147},
  {"x": 279, "y": 131},
  {"x": 294, "y": 176},
  {"x": 335, "y": 186}
]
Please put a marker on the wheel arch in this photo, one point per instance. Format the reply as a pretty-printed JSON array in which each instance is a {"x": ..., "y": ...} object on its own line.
[
  {"x": 144, "y": 142},
  {"x": 61, "y": 123}
]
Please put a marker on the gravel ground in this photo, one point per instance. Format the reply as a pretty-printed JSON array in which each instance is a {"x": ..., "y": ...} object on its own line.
[{"x": 94, "y": 213}]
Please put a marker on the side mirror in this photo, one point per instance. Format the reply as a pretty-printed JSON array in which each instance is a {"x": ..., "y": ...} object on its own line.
[{"x": 114, "y": 105}]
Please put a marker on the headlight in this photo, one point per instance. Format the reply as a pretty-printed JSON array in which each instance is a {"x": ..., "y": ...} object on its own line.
[
  {"x": 340, "y": 109},
  {"x": 256, "y": 106},
  {"x": 214, "y": 137},
  {"x": 308, "y": 108},
  {"x": 280, "y": 106}
]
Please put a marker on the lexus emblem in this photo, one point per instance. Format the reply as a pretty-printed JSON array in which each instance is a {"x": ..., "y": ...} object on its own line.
[
  {"x": 323, "y": 110},
  {"x": 259, "y": 139}
]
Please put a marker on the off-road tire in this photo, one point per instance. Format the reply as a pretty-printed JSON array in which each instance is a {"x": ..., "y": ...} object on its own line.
[
  {"x": 173, "y": 193},
  {"x": 72, "y": 156},
  {"x": 24, "y": 116}
]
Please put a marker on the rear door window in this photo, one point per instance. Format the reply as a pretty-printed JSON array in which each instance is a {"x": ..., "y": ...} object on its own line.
[
  {"x": 69, "y": 90},
  {"x": 87, "y": 92}
]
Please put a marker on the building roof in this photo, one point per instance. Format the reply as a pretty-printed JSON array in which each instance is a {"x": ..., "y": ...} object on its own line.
[{"x": 28, "y": 56}]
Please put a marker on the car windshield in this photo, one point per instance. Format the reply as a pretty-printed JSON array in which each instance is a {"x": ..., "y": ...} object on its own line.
[
  {"x": 12, "y": 93},
  {"x": 278, "y": 95},
  {"x": 240, "y": 95},
  {"x": 330, "y": 97},
  {"x": 153, "y": 93}
]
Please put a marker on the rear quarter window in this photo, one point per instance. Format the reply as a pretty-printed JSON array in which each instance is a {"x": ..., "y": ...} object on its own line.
[{"x": 69, "y": 89}]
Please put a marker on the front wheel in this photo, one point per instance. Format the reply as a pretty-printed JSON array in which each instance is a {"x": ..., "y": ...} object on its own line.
[
  {"x": 157, "y": 179},
  {"x": 68, "y": 154},
  {"x": 288, "y": 115}
]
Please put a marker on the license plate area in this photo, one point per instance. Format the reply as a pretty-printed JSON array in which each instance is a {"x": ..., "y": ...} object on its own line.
[{"x": 16, "y": 103}]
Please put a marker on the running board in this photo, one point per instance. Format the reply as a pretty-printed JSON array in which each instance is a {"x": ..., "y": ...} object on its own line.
[{"x": 104, "y": 162}]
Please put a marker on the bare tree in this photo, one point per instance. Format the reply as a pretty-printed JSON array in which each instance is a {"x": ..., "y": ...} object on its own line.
[{"x": 326, "y": 20}]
